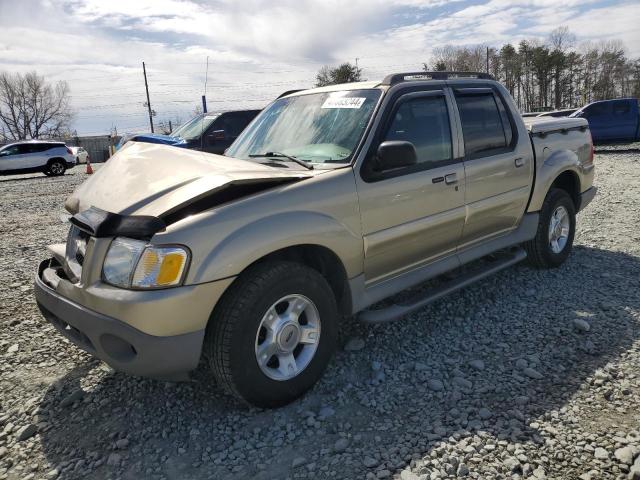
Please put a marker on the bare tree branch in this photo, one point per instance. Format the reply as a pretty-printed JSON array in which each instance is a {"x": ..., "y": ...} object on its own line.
[{"x": 30, "y": 107}]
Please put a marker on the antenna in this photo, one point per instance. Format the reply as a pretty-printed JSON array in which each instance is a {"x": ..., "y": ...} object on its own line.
[{"x": 204, "y": 105}]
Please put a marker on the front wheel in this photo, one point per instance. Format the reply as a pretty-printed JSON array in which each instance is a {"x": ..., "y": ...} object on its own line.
[
  {"x": 556, "y": 228},
  {"x": 273, "y": 333},
  {"x": 55, "y": 168}
]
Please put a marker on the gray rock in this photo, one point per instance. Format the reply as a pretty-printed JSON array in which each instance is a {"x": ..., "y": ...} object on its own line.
[
  {"x": 462, "y": 382},
  {"x": 298, "y": 462},
  {"x": 600, "y": 453},
  {"x": 326, "y": 412},
  {"x": 376, "y": 366},
  {"x": 634, "y": 471},
  {"x": 114, "y": 460},
  {"x": 511, "y": 464},
  {"x": 420, "y": 367},
  {"x": 383, "y": 474},
  {"x": 477, "y": 364},
  {"x": 626, "y": 454},
  {"x": 531, "y": 373},
  {"x": 485, "y": 413},
  {"x": 463, "y": 470},
  {"x": 408, "y": 475},
  {"x": 435, "y": 385},
  {"x": 72, "y": 398},
  {"x": 51, "y": 474},
  {"x": 369, "y": 462},
  {"x": 581, "y": 325},
  {"x": 122, "y": 443},
  {"x": 341, "y": 445},
  {"x": 13, "y": 348},
  {"x": 354, "y": 344},
  {"x": 26, "y": 432},
  {"x": 521, "y": 364},
  {"x": 539, "y": 473}
]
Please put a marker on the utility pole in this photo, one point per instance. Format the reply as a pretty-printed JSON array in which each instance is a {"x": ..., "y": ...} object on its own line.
[
  {"x": 487, "y": 59},
  {"x": 146, "y": 86}
]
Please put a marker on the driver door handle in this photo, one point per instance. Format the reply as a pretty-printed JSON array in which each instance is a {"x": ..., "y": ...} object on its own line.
[
  {"x": 450, "y": 179},
  {"x": 519, "y": 162}
]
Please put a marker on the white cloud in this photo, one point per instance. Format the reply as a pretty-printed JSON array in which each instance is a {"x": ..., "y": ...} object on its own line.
[{"x": 258, "y": 48}]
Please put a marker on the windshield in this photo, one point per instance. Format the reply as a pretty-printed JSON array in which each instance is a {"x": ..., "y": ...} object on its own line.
[
  {"x": 318, "y": 127},
  {"x": 194, "y": 127}
]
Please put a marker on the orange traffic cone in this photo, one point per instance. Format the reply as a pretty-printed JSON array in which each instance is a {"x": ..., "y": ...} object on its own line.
[{"x": 89, "y": 169}]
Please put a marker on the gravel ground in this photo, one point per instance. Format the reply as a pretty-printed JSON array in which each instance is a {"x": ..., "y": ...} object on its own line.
[{"x": 528, "y": 374}]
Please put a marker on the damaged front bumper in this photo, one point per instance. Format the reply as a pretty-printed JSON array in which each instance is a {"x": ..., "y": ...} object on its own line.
[{"x": 119, "y": 344}]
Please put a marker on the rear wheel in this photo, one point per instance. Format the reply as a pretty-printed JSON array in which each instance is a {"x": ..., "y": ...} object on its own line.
[
  {"x": 556, "y": 228},
  {"x": 273, "y": 333},
  {"x": 55, "y": 168}
]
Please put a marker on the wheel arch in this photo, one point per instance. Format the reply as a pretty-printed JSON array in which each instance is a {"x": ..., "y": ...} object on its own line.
[
  {"x": 570, "y": 183},
  {"x": 560, "y": 170},
  {"x": 319, "y": 258},
  {"x": 59, "y": 159}
]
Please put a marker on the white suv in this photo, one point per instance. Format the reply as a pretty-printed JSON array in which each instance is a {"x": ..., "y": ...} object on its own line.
[{"x": 50, "y": 158}]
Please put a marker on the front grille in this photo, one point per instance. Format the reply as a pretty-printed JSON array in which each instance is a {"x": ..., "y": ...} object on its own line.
[{"x": 75, "y": 252}]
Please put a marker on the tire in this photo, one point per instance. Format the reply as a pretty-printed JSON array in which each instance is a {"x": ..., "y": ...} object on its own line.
[
  {"x": 237, "y": 331},
  {"x": 542, "y": 252},
  {"x": 55, "y": 168}
]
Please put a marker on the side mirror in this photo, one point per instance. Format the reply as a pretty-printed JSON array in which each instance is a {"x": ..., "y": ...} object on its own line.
[{"x": 396, "y": 154}]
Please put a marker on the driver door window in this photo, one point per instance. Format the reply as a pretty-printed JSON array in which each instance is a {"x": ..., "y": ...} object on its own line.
[{"x": 424, "y": 122}]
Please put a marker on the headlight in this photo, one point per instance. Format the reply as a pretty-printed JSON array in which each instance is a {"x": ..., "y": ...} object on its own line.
[{"x": 136, "y": 264}]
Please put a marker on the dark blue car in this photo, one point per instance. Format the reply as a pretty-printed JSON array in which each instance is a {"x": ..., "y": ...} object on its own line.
[
  {"x": 612, "y": 121},
  {"x": 209, "y": 132}
]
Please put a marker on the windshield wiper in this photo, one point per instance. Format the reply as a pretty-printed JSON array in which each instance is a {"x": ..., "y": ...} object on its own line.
[{"x": 300, "y": 162}]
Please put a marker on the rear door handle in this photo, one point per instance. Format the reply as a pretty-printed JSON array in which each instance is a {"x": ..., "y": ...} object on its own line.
[
  {"x": 450, "y": 179},
  {"x": 519, "y": 162}
]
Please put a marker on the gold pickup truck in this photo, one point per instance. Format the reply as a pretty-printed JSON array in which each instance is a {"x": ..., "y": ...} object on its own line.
[{"x": 331, "y": 200}]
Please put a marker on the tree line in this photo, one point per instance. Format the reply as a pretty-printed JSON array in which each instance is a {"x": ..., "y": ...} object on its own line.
[{"x": 554, "y": 74}]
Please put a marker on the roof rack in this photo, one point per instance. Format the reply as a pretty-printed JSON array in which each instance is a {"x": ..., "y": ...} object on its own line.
[
  {"x": 409, "y": 76},
  {"x": 289, "y": 92}
]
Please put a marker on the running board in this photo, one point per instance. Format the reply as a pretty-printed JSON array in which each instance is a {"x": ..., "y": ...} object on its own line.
[{"x": 402, "y": 309}]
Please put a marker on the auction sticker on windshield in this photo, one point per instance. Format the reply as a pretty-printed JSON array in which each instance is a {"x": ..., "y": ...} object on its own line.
[{"x": 343, "y": 102}]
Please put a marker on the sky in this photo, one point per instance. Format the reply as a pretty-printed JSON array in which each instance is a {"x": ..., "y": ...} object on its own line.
[{"x": 257, "y": 49}]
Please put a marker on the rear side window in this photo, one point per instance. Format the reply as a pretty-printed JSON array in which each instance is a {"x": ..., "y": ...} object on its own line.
[
  {"x": 485, "y": 125},
  {"x": 423, "y": 121},
  {"x": 621, "y": 108},
  {"x": 43, "y": 147},
  {"x": 25, "y": 148}
]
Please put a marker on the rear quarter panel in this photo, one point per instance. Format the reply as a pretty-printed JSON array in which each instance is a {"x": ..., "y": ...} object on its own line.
[{"x": 559, "y": 152}]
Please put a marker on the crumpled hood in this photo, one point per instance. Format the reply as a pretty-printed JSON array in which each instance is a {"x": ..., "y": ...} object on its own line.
[{"x": 150, "y": 179}]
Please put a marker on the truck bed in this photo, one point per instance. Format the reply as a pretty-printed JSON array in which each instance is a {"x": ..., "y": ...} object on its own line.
[
  {"x": 546, "y": 125},
  {"x": 552, "y": 135},
  {"x": 559, "y": 140}
]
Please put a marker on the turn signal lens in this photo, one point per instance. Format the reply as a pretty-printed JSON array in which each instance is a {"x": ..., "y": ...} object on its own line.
[{"x": 160, "y": 267}]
